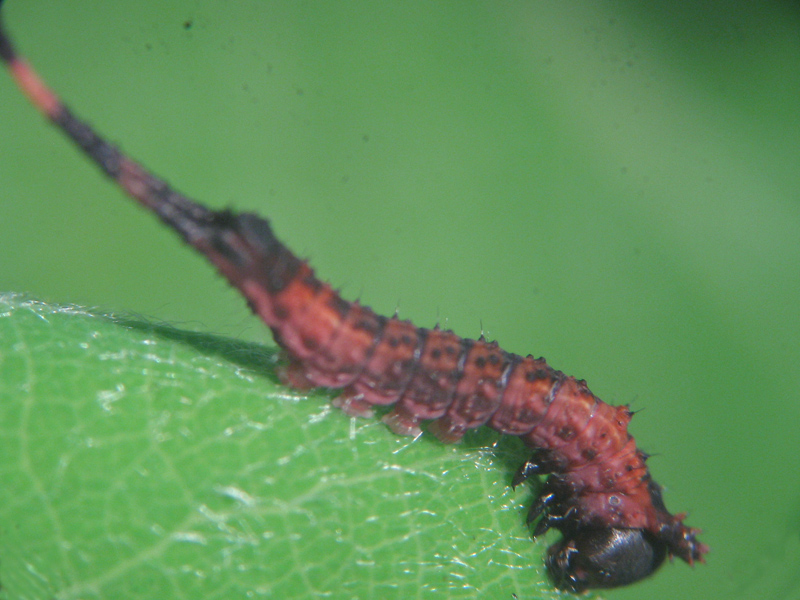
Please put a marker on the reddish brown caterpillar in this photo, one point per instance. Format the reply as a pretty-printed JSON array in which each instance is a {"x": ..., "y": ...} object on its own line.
[{"x": 599, "y": 494}]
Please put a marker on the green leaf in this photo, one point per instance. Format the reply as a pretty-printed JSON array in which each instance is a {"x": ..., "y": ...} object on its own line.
[{"x": 144, "y": 461}]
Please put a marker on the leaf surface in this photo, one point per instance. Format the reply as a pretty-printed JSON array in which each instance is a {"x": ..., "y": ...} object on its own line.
[{"x": 144, "y": 461}]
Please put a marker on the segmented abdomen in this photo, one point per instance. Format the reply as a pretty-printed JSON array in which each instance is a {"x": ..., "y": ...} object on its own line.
[{"x": 429, "y": 373}]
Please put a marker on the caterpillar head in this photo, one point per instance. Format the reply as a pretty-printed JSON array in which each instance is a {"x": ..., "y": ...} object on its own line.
[{"x": 604, "y": 558}]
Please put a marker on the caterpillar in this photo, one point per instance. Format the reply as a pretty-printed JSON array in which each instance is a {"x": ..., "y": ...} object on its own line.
[{"x": 599, "y": 494}]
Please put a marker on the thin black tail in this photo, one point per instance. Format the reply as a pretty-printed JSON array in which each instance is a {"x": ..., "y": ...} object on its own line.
[
  {"x": 185, "y": 216},
  {"x": 241, "y": 246}
]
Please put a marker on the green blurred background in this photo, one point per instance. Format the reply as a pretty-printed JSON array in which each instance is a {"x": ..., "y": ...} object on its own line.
[{"x": 613, "y": 186}]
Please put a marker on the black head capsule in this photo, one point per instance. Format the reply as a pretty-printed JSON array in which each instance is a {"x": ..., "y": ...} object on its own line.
[{"x": 604, "y": 558}]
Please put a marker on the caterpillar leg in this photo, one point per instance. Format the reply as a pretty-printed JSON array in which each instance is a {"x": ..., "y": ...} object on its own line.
[
  {"x": 291, "y": 372},
  {"x": 526, "y": 470},
  {"x": 353, "y": 404},
  {"x": 402, "y": 422},
  {"x": 540, "y": 509},
  {"x": 549, "y": 508},
  {"x": 447, "y": 431},
  {"x": 542, "y": 462},
  {"x": 589, "y": 556}
]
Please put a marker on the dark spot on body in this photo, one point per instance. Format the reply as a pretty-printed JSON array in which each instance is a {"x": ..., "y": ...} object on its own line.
[
  {"x": 536, "y": 374},
  {"x": 313, "y": 283},
  {"x": 282, "y": 268},
  {"x": 281, "y": 312},
  {"x": 566, "y": 433},
  {"x": 325, "y": 358},
  {"x": 366, "y": 325},
  {"x": 340, "y": 306}
]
